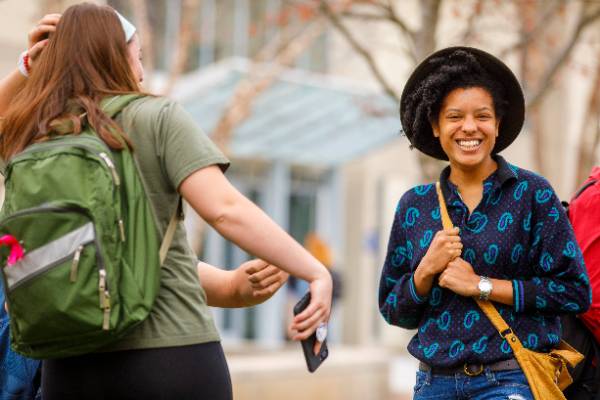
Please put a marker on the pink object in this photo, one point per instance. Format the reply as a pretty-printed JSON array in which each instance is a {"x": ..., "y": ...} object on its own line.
[{"x": 16, "y": 250}]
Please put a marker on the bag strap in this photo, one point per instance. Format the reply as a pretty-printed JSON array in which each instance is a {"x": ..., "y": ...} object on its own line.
[
  {"x": 112, "y": 106},
  {"x": 578, "y": 193},
  {"x": 170, "y": 232},
  {"x": 583, "y": 188},
  {"x": 486, "y": 306}
]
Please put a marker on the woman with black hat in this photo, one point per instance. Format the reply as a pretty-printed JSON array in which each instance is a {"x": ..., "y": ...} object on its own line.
[{"x": 512, "y": 243}]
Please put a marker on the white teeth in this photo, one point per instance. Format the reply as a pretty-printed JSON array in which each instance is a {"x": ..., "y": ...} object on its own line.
[{"x": 469, "y": 143}]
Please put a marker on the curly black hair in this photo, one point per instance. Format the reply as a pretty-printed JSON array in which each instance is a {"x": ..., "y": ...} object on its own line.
[{"x": 459, "y": 69}]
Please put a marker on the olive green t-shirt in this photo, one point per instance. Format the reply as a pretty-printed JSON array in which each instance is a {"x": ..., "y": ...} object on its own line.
[{"x": 168, "y": 147}]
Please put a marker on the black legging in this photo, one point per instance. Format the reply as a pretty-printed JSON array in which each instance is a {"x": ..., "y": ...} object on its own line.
[{"x": 193, "y": 372}]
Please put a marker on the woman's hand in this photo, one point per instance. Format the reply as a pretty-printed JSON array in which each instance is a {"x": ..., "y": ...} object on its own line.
[
  {"x": 38, "y": 36},
  {"x": 317, "y": 312},
  {"x": 251, "y": 283},
  {"x": 460, "y": 278},
  {"x": 256, "y": 281},
  {"x": 444, "y": 247}
]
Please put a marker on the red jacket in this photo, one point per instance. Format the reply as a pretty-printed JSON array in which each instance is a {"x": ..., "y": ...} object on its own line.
[{"x": 584, "y": 213}]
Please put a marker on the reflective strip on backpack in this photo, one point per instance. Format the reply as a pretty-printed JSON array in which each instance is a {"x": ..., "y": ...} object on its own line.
[{"x": 49, "y": 255}]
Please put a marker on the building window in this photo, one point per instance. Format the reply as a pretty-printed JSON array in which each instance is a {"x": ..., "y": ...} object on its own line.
[{"x": 222, "y": 29}]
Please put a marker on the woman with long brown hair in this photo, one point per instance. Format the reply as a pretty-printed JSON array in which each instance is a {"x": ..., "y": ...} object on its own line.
[{"x": 175, "y": 352}]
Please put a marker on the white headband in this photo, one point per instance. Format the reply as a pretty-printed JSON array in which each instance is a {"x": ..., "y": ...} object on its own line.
[{"x": 128, "y": 27}]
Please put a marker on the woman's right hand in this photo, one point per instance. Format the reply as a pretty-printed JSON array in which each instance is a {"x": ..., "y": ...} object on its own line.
[
  {"x": 317, "y": 312},
  {"x": 444, "y": 247}
]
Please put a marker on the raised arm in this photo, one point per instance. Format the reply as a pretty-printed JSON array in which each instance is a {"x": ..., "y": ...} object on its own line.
[{"x": 13, "y": 82}]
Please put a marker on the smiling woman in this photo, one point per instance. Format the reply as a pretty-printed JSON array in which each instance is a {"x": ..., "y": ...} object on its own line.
[
  {"x": 467, "y": 128},
  {"x": 465, "y": 106}
]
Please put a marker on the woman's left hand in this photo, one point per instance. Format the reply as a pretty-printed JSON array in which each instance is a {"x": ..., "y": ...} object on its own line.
[
  {"x": 38, "y": 36},
  {"x": 257, "y": 281},
  {"x": 460, "y": 278}
]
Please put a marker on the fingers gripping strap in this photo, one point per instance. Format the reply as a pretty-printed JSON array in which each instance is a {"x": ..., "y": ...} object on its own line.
[
  {"x": 170, "y": 232},
  {"x": 487, "y": 307}
]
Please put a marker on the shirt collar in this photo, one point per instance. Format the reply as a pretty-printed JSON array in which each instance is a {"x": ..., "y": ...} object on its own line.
[{"x": 503, "y": 174}]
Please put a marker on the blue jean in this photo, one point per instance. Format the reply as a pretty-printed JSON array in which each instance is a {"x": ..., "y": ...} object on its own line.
[
  {"x": 17, "y": 373},
  {"x": 510, "y": 385}
]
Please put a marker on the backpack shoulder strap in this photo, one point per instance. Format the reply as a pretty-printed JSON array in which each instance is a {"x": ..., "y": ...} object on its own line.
[
  {"x": 170, "y": 232},
  {"x": 578, "y": 193},
  {"x": 113, "y": 105},
  {"x": 583, "y": 188}
]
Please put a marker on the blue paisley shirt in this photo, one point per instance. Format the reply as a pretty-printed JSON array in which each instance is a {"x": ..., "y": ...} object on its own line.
[{"x": 518, "y": 232}]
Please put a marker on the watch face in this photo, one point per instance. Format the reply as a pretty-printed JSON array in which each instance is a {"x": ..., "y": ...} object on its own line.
[{"x": 485, "y": 285}]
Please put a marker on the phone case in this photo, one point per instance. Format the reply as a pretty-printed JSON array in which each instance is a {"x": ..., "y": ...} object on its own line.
[{"x": 312, "y": 361}]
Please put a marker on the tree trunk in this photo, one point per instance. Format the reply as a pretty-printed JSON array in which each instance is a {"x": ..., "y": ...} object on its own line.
[
  {"x": 425, "y": 44},
  {"x": 531, "y": 62},
  {"x": 140, "y": 12},
  {"x": 189, "y": 12},
  {"x": 590, "y": 135}
]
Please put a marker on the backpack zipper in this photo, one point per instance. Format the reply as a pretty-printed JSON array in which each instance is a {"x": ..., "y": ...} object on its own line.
[
  {"x": 121, "y": 229},
  {"x": 104, "y": 300},
  {"x": 111, "y": 167},
  {"x": 75, "y": 264}
]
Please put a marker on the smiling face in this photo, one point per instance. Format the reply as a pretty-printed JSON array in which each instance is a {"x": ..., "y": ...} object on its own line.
[{"x": 467, "y": 127}]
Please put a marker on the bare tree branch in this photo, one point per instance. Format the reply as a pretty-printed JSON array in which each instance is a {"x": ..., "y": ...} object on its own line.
[
  {"x": 186, "y": 35},
  {"x": 425, "y": 38},
  {"x": 409, "y": 34},
  {"x": 362, "y": 51},
  {"x": 477, "y": 9},
  {"x": 259, "y": 79},
  {"x": 562, "y": 57},
  {"x": 389, "y": 15},
  {"x": 140, "y": 12},
  {"x": 588, "y": 145},
  {"x": 393, "y": 16},
  {"x": 365, "y": 16},
  {"x": 534, "y": 33}
]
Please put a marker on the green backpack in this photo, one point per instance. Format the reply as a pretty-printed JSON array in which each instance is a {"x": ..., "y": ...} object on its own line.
[{"x": 91, "y": 265}]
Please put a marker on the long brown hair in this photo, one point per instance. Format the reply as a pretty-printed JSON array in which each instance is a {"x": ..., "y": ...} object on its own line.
[{"x": 84, "y": 61}]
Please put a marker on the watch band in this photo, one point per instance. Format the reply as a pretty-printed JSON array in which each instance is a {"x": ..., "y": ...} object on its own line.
[{"x": 485, "y": 288}]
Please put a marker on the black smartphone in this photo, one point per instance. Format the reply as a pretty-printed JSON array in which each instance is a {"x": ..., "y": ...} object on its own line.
[{"x": 313, "y": 361}]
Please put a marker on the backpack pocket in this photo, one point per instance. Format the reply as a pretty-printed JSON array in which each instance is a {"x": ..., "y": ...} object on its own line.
[{"x": 60, "y": 286}]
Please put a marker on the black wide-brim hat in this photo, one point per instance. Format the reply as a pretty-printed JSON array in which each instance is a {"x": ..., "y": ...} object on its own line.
[{"x": 510, "y": 124}]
